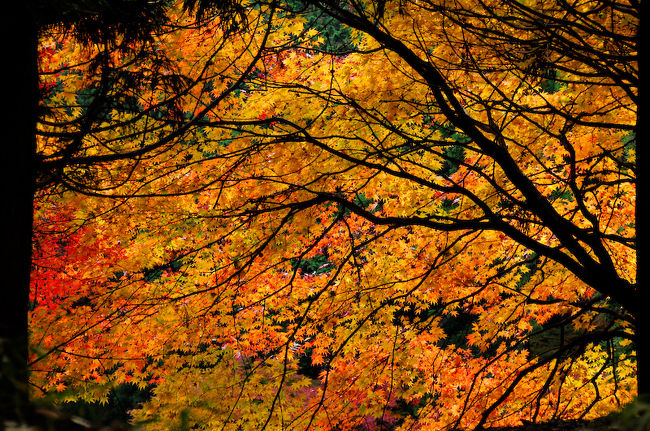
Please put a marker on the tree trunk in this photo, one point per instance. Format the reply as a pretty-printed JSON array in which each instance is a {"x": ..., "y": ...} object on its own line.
[
  {"x": 642, "y": 220},
  {"x": 18, "y": 155}
]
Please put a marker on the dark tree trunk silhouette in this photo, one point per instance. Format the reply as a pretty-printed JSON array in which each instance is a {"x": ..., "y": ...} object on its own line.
[
  {"x": 18, "y": 191},
  {"x": 642, "y": 217}
]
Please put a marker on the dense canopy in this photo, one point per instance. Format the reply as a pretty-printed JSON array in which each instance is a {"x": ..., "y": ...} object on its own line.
[{"x": 341, "y": 215}]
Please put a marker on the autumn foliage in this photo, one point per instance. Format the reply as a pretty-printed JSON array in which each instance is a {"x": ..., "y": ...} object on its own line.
[{"x": 342, "y": 215}]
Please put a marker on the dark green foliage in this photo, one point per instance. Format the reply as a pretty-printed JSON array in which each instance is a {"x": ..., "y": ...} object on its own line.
[
  {"x": 121, "y": 400},
  {"x": 634, "y": 417},
  {"x": 359, "y": 200},
  {"x": 89, "y": 98},
  {"x": 454, "y": 155},
  {"x": 155, "y": 272},
  {"x": 337, "y": 37},
  {"x": 629, "y": 149},
  {"x": 547, "y": 338},
  {"x": 183, "y": 421},
  {"x": 457, "y": 328},
  {"x": 447, "y": 130},
  {"x": 449, "y": 204},
  {"x": 549, "y": 83},
  {"x": 530, "y": 268},
  {"x": 316, "y": 265},
  {"x": 404, "y": 408},
  {"x": 307, "y": 368},
  {"x": 561, "y": 194}
]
